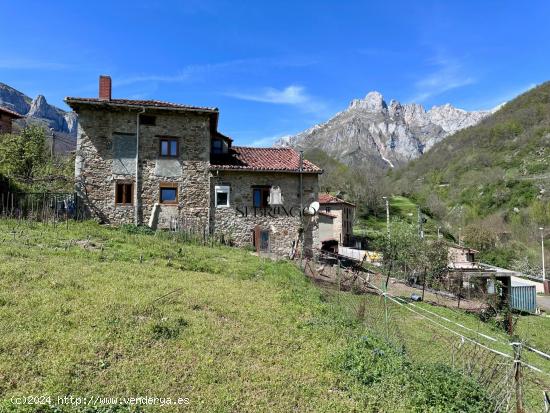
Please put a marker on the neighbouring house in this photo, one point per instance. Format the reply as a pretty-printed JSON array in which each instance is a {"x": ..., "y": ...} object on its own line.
[
  {"x": 167, "y": 166},
  {"x": 471, "y": 279},
  {"x": 326, "y": 231},
  {"x": 6, "y": 119},
  {"x": 344, "y": 215}
]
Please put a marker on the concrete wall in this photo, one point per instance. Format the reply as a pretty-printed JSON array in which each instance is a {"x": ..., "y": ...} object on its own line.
[
  {"x": 326, "y": 228},
  {"x": 106, "y": 145},
  {"x": 343, "y": 223},
  {"x": 283, "y": 230}
]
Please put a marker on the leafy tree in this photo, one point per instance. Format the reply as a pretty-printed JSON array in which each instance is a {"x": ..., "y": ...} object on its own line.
[
  {"x": 22, "y": 155},
  {"x": 479, "y": 237},
  {"x": 26, "y": 164}
]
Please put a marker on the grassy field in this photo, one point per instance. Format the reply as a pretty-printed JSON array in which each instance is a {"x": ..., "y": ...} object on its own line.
[
  {"x": 401, "y": 207},
  {"x": 94, "y": 311},
  {"x": 81, "y": 314}
]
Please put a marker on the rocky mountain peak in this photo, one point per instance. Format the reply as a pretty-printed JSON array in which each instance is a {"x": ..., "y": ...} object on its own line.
[
  {"x": 40, "y": 108},
  {"x": 373, "y": 102},
  {"x": 373, "y": 132},
  {"x": 38, "y": 111}
]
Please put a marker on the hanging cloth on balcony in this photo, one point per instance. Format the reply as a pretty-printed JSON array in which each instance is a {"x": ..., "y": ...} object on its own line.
[{"x": 275, "y": 196}]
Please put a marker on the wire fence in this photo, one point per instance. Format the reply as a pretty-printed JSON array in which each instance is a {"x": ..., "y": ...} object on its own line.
[
  {"x": 514, "y": 373},
  {"x": 39, "y": 206}
]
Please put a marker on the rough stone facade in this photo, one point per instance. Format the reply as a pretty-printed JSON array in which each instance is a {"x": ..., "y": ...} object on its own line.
[
  {"x": 6, "y": 119},
  {"x": 102, "y": 161},
  {"x": 106, "y": 156},
  {"x": 238, "y": 221}
]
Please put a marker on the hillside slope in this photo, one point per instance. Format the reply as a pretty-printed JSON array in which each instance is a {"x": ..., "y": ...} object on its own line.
[
  {"x": 494, "y": 176},
  {"x": 92, "y": 311}
]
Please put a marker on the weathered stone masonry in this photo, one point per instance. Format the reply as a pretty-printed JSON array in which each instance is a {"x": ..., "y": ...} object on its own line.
[
  {"x": 98, "y": 167},
  {"x": 106, "y": 156},
  {"x": 283, "y": 229}
]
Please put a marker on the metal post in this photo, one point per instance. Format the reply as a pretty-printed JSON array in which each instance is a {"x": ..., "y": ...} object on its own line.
[
  {"x": 387, "y": 215},
  {"x": 136, "y": 189},
  {"x": 542, "y": 251},
  {"x": 517, "y": 377}
]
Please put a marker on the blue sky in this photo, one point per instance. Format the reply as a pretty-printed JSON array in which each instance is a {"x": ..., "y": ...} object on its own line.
[{"x": 275, "y": 68}]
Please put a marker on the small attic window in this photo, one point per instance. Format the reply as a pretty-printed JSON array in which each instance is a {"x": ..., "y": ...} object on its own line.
[
  {"x": 148, "y": 120},
  {"x": 217, "y": 146}
]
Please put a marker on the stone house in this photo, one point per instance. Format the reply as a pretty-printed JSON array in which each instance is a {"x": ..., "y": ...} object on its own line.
[
  {"x": 6, "y": 119},
  {"x": 344, "y": 216},
  {"x": 167, "y": 166}
]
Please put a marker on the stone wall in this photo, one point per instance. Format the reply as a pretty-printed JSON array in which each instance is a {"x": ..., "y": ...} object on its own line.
[
  {"x": 5, "y": 123},
  {"x": 102, "y": 160},
  {"x": 283, "y": 229}
]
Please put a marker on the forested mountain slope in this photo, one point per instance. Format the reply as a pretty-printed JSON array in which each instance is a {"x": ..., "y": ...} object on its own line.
[{"x": 492, "y": 180}]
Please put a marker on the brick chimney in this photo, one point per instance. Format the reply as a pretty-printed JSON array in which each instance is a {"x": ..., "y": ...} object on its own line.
[{"x": 104, "y": 87}]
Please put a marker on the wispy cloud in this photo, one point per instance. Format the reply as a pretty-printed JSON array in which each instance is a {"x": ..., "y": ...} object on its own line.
[
  {"x": 294, "y": 95},
  {"x": 290, "y": 95},
  {"x": 197, "y": 71},
  {"x": 30, "y": 64},
  {"x": 448, "y": 74}
]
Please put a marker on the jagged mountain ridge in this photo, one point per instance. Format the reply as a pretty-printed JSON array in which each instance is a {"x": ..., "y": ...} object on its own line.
[
  {"x": 39, "y": 111},
  {"x": 371, "y": 131}
]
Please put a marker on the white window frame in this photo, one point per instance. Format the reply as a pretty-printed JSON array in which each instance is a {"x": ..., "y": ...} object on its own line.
[{"x": 224, "y": 189}]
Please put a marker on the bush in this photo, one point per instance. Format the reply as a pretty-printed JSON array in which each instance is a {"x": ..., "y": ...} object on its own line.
[
  {"x": 499, "y": 256},
  {"x": 408, "y": 386},
  {"x": 137, "y": 229}
]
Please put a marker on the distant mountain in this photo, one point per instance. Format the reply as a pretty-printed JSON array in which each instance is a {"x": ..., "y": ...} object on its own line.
[
  {"x": 38, "y": 111},
  {"x": 371, "y": 131}
]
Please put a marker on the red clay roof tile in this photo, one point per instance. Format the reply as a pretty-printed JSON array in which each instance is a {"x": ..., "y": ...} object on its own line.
[
  {"x": 331, "y": 199},
  {"x": 263, "y": 159}
]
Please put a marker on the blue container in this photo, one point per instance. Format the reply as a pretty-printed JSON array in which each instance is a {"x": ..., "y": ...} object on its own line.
[{"x": 523, "y": 297}]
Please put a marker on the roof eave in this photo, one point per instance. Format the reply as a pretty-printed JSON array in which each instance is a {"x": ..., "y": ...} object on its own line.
[
  {"x": 288, "y": 171},
  {"x": 72, "y": 102}
]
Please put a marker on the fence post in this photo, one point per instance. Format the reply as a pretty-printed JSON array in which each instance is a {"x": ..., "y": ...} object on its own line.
[{"x": 517, "y": 377}]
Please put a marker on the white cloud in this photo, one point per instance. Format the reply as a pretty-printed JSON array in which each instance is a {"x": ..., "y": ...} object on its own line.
[
  {"x": 290, "y": 95},
  {"x": 449, "y": 74},
  {"x": 293, "y": 95}
]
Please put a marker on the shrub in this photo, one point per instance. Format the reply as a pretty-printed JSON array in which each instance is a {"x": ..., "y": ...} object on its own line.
[{"x": 408, "y": 386}]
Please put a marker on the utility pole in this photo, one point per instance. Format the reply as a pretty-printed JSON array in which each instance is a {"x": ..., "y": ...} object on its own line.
[
  {"x": 420, "y": 229},
  {"x": 542, "y": 251},
  {"x": 52, "y": 148},
  {"x": 387, "y": 215}
]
